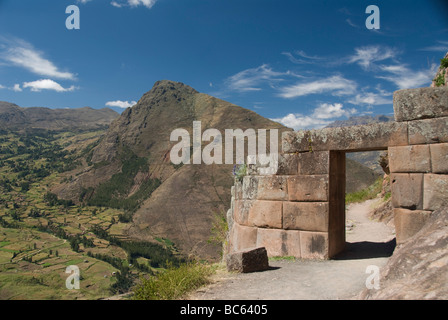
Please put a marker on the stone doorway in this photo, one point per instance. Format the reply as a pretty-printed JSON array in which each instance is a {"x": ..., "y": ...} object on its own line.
[
  {"x": 364, "y": 237},
  {"x": 300, "y": 210}
]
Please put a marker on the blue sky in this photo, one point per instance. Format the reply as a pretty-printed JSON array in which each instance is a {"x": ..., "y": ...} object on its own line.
[{"x": 303, "y": 63}]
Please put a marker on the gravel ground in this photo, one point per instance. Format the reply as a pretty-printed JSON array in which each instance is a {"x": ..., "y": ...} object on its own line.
[{"x": 368, "y": 243}]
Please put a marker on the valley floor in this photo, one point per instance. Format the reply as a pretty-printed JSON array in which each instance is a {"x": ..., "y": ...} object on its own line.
[{"x": 369, "y": 243}]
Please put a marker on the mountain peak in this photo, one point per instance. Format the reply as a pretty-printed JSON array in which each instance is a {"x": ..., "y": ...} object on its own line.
[
  {"x": 163, "y": 86},
  {"x": 163, "y": 92}
]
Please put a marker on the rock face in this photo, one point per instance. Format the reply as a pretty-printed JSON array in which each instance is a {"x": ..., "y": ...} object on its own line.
[
  {"x": 441, "y": 78},
  {"x": 418, "y": 269}
]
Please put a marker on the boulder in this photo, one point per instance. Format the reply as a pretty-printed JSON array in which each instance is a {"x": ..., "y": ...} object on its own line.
[
  {"x": 418, "y": 269},
  {"x": 249, "y": 260}
]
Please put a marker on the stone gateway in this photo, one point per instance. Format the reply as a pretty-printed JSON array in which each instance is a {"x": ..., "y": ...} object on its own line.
[{"x": 300, "y": 210}]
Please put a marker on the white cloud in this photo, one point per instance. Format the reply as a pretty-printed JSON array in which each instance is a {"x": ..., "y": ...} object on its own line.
[
  {"x": 366, "y": 56},
  {"x": 134, "y": 3},
  {"x": 351, "y": 23},
  {"x": 16, "y": 88},
  {"x": 2, "y": 87},
  {"x": 322, "y": 116},
  {"x": 336, "y": 85},
  {"x": 251, "y": 79},
  {"x": 22, "y": 54},
  {"x": 83, "y": 1},
  {"x": 302, "y": 58},
  {"x": 371, "y": 98},
  {"x": 328, "y": 111},
  {"x": 298, "y": 122},
  {"x": 46, "y": 84},
  {"x": 116, "y": 4},
  {"x": 121, "y": 104},
  {"x": 147, "y": 3},
  {"x": 405, "y": 78},
  {"x": 441, "y": 46}
]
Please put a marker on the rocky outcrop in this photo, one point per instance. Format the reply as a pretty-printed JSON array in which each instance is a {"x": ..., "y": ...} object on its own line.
[
  {"x": 441, "y": 78},
  {"x": 418, "y": 269}
]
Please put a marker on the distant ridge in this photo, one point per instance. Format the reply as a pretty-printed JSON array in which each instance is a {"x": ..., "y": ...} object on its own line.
[
  {"x": 360, "y": 120},
  {"x": 17, "y": 118}
]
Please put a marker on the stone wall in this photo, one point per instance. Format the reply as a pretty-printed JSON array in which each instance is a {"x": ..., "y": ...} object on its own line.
[
  {"x": 300, "y": 210},
  {"x": 419, "y": 170}
]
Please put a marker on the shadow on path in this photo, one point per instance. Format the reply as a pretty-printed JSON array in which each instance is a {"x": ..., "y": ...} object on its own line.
[{"x": 366, "y": 250}]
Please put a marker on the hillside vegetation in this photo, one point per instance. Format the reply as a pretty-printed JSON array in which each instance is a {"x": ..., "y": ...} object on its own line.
[{"x": 41, "y": 234}]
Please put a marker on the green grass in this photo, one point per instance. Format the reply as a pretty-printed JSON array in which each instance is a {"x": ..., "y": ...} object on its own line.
[
  {"x": 44, "y": 277},
  {"x": 35, "y": 233},
  {"x": 365, "y": 194},
  {"x": 28, "y": 272},
  {"x": 173, "y": 283},
  {"x": 167, "y": 242},
  {"x": 287, "y": 258}
]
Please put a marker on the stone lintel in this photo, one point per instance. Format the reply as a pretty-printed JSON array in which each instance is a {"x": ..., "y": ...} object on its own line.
[{"x": 377, "y": 136}]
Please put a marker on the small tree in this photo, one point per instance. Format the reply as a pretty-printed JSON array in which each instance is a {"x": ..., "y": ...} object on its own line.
[{"x": 444, "y": 63}]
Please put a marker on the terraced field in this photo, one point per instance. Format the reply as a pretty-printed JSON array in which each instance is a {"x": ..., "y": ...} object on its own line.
[{"x": 41, "y": 235}]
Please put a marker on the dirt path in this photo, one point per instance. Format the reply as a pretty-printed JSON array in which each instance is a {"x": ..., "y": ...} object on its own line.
[{"x": 368, "y": 243}]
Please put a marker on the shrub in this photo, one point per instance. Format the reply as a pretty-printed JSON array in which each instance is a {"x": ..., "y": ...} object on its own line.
[
  {"x": 444, "y": 63},
  {"x": 365, "y": 194},
  {"x": 239, "y": 171},
  {"x": 440, "y": 80},
  {"x": 174, "y": 282},
  {"x": 219, "y": 230}
]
